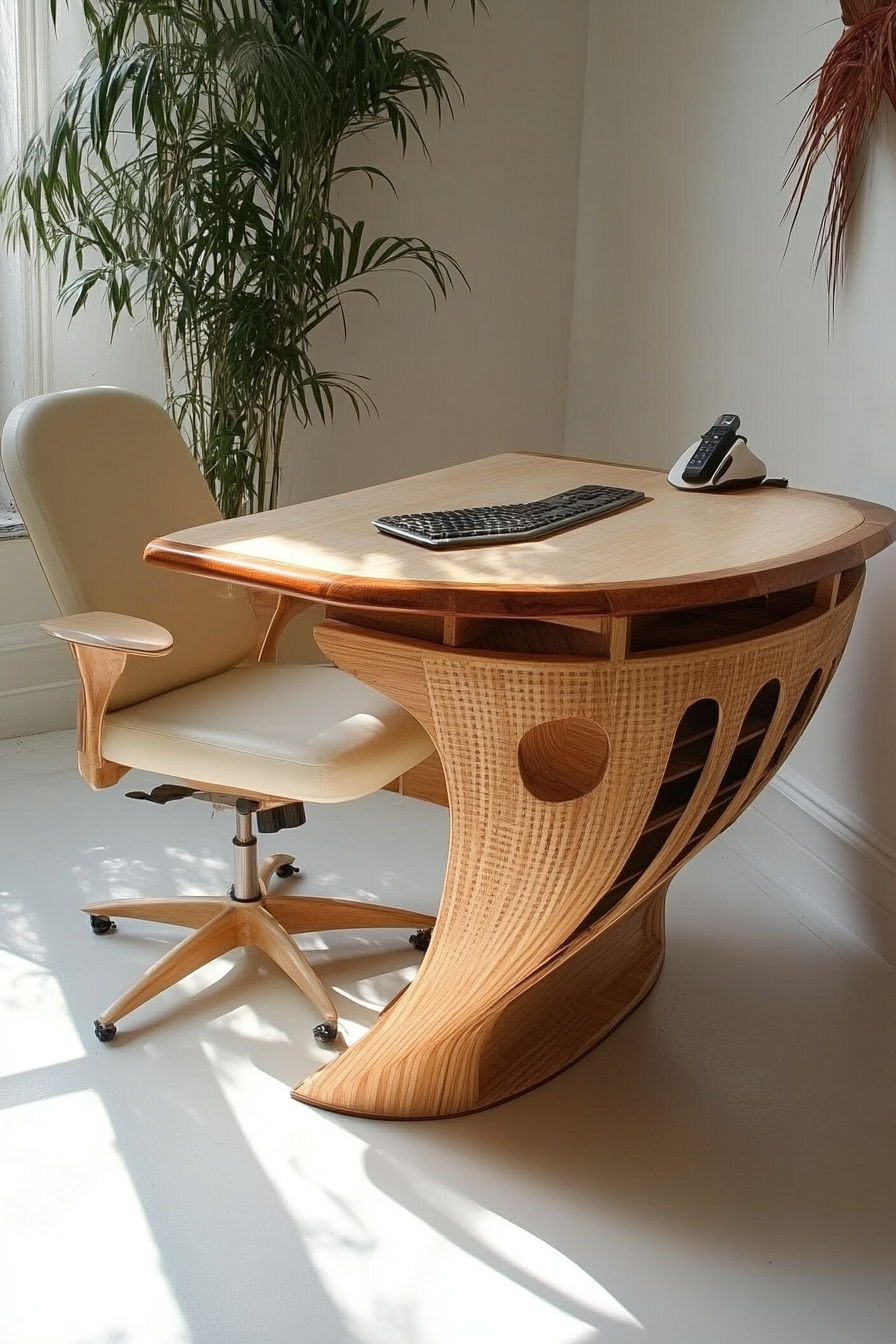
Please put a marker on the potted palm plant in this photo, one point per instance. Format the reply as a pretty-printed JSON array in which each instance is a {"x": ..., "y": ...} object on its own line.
[{"x": 190, "y": 167}]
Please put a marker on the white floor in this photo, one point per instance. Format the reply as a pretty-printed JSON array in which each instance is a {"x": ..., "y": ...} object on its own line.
[{"x": 720, "y": 1171}]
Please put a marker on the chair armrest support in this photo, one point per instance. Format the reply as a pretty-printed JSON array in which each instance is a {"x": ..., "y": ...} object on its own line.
[{"x": 100, "y": 643}]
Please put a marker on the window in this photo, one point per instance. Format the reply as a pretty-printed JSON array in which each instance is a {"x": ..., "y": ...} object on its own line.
[{"x": 25, "y": 44}]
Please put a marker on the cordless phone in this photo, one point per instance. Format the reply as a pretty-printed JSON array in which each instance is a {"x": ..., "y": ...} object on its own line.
[
  {"x": 712, "y": 450},
  {"x": 720, "y": 461}
]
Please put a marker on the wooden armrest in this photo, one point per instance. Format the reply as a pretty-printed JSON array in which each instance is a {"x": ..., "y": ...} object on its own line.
[
  {"x": 100, "y": 643},
  {"x": 108, "y": 630}
]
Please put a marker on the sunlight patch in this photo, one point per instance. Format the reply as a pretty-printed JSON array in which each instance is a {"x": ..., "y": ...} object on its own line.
[
  {"x": 429, "y": 1266},
  {"x": 536, "y": 1260},
  {"x": 204, "y": 874},
  {"x": 246, "y": 1023},
  {"x": 185, "y": 873},
  {"x": 374, "y": 992},
  {"x": 19, "y": 932},
  {"x": 37, "y": 1027},
  {"x": 74, "y": 1236}
]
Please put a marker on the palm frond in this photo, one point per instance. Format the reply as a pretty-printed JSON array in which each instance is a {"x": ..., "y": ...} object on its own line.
[{"x": 188, "y": 168}]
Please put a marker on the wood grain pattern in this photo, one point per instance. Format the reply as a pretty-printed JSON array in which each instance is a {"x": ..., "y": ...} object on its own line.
[
  {"x": 453, "y": 630},
  {"x": 100, "y": 643},
  {"x": 673, "y": 550},
  {"x": 100, "y": 670},
  {"x": 550, "y": 926},
  {"x": 603, "y": 703},
  {"x": 219, "y": 925}
]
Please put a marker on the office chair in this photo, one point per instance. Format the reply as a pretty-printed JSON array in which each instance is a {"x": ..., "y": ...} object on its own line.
[{"x": 168, "y": 684}]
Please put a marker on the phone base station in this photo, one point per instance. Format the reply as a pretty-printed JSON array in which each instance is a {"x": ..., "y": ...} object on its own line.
[{"x": 740, "y": 469}]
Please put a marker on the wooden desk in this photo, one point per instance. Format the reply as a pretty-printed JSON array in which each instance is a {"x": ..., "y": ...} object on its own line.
[{"x": 603, "y": 702}]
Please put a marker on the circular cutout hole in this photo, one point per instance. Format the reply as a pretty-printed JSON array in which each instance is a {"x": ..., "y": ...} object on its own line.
[{"x": 563, "y": 759}]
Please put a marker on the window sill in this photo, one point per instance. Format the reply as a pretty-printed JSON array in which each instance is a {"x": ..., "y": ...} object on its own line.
[{"x": 11, "y": 525}]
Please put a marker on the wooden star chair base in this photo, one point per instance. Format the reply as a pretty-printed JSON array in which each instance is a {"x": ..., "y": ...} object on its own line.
[{"x": 243, "y": 919}]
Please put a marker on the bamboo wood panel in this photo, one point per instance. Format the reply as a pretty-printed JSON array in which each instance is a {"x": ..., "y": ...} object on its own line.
[
  {"x": 551, "y": 919},
  {"x": 674, "y": 549}
]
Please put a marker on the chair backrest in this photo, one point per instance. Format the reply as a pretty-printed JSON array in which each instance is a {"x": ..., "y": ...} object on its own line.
[{"x": 96, "y": 473}]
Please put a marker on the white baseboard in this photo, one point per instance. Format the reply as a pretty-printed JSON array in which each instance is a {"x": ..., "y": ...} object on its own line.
[
  {"x": 38, "y": 693},
  {"x": 46, "y": 708},
  {"x": 821, "y": 857},
  {"x": 20, "y": 635}
]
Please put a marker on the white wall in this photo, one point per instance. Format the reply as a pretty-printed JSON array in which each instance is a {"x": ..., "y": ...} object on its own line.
[
  {"x": 38, "y": 682},
  {"x": 82, "y": 350},
  {"x": 487, "y": 372},
  {"x": 686, "y": 306}
]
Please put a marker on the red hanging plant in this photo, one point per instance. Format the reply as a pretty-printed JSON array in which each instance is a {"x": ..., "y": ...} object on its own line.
[{"x": 859, "y": 70}]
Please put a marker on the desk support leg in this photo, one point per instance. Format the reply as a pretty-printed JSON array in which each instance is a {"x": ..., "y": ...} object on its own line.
[
  {"x": 570, "y": 814},
  {"x": 516, "y": 984}
]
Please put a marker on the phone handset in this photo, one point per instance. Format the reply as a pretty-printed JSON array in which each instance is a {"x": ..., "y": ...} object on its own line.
[
  {"x": 712, "y": 450},
  {"x": 721, "y": 460}
]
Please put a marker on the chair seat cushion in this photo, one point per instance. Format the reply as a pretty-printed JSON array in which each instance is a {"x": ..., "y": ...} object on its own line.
[{"x": 282, "y": 730}]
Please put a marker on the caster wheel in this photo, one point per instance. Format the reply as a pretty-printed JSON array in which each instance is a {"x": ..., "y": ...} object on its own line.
[
  {"x": 421, "y": 939},
  {"x": 104, "y": 1031},
  {"x": 324, "y": 1032},
  {"x": 286, "y": 870},
  {"x": 102, "y": 924}
]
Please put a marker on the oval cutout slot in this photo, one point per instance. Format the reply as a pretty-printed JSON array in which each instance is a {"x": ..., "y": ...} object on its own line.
[
  {"x": 563, "y": 759},
  {"x": 798, "y": 720},
  {"x": 687, "y": 760},
  {"x": 753, "y": 732}
]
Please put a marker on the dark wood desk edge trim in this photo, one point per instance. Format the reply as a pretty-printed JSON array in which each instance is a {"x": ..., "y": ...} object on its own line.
[{"x": 523, "y": 602}]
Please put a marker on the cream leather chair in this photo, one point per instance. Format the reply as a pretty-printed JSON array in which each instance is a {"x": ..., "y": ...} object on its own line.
[{"x": 169, "y": 684}]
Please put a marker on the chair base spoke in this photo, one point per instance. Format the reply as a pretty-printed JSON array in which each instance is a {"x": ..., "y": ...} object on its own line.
[{"x": 221, "y": 924}]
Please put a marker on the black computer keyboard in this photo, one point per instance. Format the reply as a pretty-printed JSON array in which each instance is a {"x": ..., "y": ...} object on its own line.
[{"x": 491, "y": 524}]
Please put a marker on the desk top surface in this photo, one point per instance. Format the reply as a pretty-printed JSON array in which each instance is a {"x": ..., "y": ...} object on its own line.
[{"x": 673, "y": 549}]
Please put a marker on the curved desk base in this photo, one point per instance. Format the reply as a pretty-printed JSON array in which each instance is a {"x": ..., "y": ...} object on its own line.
[
  {"x": 546, "y": 1026},
  {"x": 578, "y": 786}
]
